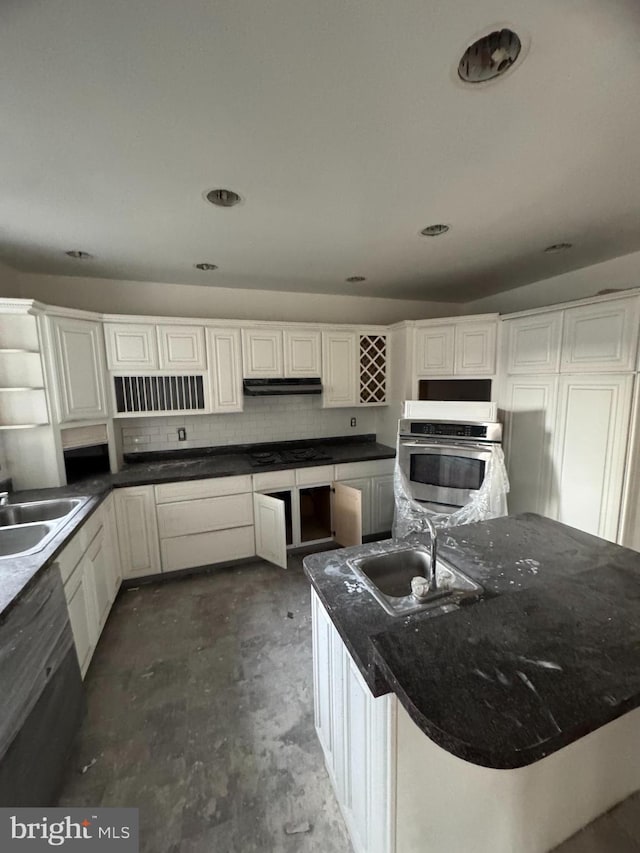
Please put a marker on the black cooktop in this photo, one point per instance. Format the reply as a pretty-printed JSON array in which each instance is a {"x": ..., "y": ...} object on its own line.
[{"x": 292, "y": 455}]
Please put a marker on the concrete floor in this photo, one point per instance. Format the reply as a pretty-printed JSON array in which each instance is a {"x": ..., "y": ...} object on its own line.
[{"x": 200, "y": 713}]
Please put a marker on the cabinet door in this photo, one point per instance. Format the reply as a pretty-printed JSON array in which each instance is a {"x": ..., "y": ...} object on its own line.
[
  {"x": 271, "y": 533},
  {"x": 347, "y": 515},
  {"x": 137, "y": 531},
  {"x": 97, "y": 564},
  {"x": 225, "y": 369},
  {"x": 80, "y": 368},
  {"x": 530, "y": 407},
  {"x": 434, "y": 351},
  {"x": 533, "y": 343},
  {"x": 113, "y": 551},
  {"x": 600, "y": 337},
  {"x": 475, "y": 349},
  {"x": 131, "y": 346},
  {"x": 373, "y": 366},
  {"x": 77, "y": 605},
  {"x": 322, "y": 678},
  {"x": 339, "y": 369},
  {"x": 262, "y": 355},
  {"x": 181, "y": 347},
  {"x": 593, "y": 423},
  {"x": 301, "y": 353},
  {"x": 382, "y": 504},
  {"x": 364, "y": 486}
]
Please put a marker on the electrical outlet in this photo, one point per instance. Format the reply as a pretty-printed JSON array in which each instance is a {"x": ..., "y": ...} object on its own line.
[
  {"x": 353, "y": 422},
  {"x": 182, "y": 434}
]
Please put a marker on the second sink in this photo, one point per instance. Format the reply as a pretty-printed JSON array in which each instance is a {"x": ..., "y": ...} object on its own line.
[
  {"x": 27, "y": 513},
  {"x": 388, "y": 578}
]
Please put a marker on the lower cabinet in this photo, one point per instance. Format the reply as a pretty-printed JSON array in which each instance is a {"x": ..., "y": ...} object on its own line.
[
  {"x": 91, "y": 575},
  {"x": 137, "y": 531},
  {"x": 356, "y": 734}
]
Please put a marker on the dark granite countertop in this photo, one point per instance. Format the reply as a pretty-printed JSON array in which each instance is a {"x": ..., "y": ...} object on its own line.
[
  {"x": 17, "y": 573},
  {"x": 547, "y": 656}
]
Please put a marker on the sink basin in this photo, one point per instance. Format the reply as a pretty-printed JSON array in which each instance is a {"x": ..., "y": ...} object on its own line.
[
  {"x": 388, "y": 578},
  {"x": 28, "y": 513},
  {"x": 19, "y": 541}
]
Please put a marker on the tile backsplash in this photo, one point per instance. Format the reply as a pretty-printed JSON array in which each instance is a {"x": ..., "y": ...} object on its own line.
[{"x": 263, "y": 420}]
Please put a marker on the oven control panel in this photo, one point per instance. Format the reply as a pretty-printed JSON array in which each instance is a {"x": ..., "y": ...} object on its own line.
[{"x": 452, "y": 429}]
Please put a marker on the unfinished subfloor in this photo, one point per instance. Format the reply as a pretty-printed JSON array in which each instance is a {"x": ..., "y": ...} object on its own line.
[{"x": 200, "y": 713}]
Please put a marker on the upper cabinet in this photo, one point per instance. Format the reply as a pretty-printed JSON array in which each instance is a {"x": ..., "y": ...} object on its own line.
[
  {"x": 372, "y": 369},
  {"x": 79, "y": 368},
  {"x": 181, "y": 348},
  {"x": 460, "y": 348},
  {"x": 339, "y": 369},
  {"x": 262, "y": 353},
  {"x": 131, "y": 346},
  {"x": 600, "y": 337},
  {"x": 533, "y": 343},
  {"x": 302, "y": 353},
  {"x": 224, "y": 348}
]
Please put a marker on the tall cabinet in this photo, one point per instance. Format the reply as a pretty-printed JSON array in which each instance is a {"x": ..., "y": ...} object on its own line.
[{"x": 566, "y": 395}]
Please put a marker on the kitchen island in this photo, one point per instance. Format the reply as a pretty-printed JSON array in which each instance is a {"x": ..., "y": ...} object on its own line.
[{"x": 503, "y": 725}]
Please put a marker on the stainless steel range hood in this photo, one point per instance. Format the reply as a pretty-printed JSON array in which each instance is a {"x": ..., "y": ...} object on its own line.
[{"x": 281, "y": 387}]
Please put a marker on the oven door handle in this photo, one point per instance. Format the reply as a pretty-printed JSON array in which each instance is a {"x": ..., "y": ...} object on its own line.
[{"x": 433, "y": 446}]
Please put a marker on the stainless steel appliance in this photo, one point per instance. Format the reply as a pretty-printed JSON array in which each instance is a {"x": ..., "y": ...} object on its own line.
[{"x": 444, "y": 462}]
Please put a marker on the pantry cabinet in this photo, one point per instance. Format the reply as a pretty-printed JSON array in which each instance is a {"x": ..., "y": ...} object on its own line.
[
  {"x": 224, "y": 348},
  {"x": 137, "y": 531},
  {"x": 79, "y": 363},
  {"x": 533, "y": 344},
  {"x": 600, "y": 337}
]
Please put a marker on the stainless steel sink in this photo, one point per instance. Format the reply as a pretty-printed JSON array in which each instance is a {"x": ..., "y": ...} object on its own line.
[
  {"x": 25, "y": 539},
  {"x": 27, "y": 527},
  {"x": 388, "y": 578},
  {"x": 27, "y": 513}
]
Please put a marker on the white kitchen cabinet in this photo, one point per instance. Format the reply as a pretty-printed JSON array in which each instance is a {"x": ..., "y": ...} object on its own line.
[
  {"x": 79, "y": 363},
  {"x": 270, "y": 524},
  {"x": 114, "y": 566},
  {"x": 302, "y": 353},
  {"x": 82, "y": 614},
  {"x": 339, "y": 369},
  {"x": 533, "y": 343},
  {"x": 435, "y": 348},
  {"x": 602, "y": 336},
  {"x": 373, "y": 363},
  {"x": 382, "y": 503},
  {"x": 131, "y": 346},
  {"x": 224, "y": 348},
  {"x": 475, "y": 349},
  {"x": 262, "y": 353},
  {"x": 529, "y": 404},
  {"x": 205, "y": 514},
  {"x": 98, "y": 567},
  {"x": 590, "y": 448},
  {"x": 137, "y": 531},
  {"x": 181, "y": 348},
  {"x": 365, "y": 486},
  {"x": 356, "y": 734}
]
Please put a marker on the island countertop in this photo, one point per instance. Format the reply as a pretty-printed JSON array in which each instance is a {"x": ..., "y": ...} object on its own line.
[{"x": 548, "y": 655}]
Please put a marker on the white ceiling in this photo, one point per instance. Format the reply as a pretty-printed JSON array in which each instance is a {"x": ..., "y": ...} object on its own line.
[{"x": 340, "y": 122}]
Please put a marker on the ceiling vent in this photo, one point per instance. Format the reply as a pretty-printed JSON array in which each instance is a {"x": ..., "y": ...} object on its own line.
[
  {"x": 223, "y": 198},
  {"x": 434, "y": 230},
  {"x": 489, "y": 57}
]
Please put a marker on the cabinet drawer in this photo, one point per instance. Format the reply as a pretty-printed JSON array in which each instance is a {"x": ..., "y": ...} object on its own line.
[
  {"x": 272, "y": 480},
  {"x": 187, "y": 490},
  {"x": 187, "y": 517},
  {"x": 203, "y": 549},
  {"x": 89, "y": 529},
  {"x": 352, "y": 470},
  {"x": 314, "y": 476}
]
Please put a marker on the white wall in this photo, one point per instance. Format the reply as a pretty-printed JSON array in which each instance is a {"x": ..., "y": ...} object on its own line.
[
  {"x": 263, "y": 420},
  {"x": 183, "y": 300},
  {"x": 623, "y": 272},
  {"x": 9, "y": 281}
]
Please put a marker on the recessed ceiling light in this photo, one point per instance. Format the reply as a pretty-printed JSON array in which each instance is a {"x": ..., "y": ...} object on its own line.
[
  {"x": 354, "y": 279},
  {"x": 206, "y": 267},
  {"x": 489, "y": 56},
  {"x": 558, "y": 247},
  {"x": 223, "y": 198},
  {"x": 435, "y": 230},
  {"x": 78, "y": 255}
]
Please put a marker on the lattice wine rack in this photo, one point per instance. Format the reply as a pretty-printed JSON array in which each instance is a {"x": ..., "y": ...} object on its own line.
[{"x": 373, "y": 369}]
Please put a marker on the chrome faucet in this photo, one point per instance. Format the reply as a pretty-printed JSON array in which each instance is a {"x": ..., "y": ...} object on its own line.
[
  {"x": 433, "y": 548},
  {"x": 4, "y": 498}
]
